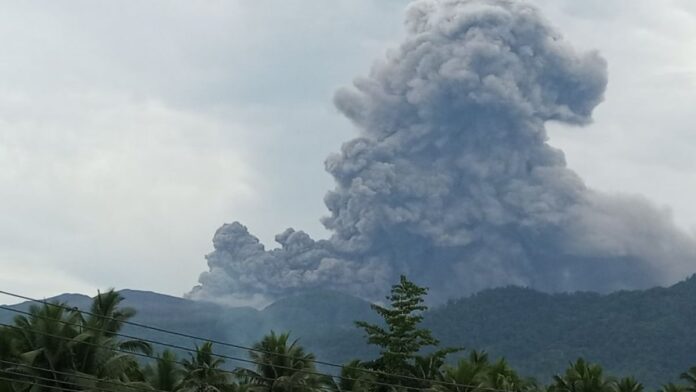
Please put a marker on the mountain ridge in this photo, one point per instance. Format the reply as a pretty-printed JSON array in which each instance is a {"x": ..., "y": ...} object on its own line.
[{"x": 644, "y": 332}]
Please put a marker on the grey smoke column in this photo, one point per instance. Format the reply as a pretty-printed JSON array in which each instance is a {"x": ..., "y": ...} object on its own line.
[{"x": 451, "y": 180}]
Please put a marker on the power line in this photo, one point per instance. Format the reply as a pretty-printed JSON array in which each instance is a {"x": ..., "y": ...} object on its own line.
[
  {"x": 190, "y": 336},
  {"x": 235, "y": 373},
  {"x": 27, "y": 382},
  {"x": 169, "y": 345},
  {"x": 174, "y": 346},
  {"x": 222, "y": 343},
  {"x": 75, "y": 375},
  {"x": 227, "y": 344},
  {"x": 111, "y": 348},
  {"x": 359, "y": 369}
]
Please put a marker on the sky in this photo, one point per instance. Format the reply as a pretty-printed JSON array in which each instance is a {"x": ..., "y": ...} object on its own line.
[{"x": 130, "y": 131}]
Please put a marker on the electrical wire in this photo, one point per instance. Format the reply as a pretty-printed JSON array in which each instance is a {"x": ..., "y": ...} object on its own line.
[
  {"x": 75, "y": 375},
  {"x": 27, "y": 382},
  {"x": 68, "y": 374},
  {"x": 218, "y": 342},
  {"x": 115, "y": 349},
  {"x": 232, "y": 345},
  {"x": 235, "y": 373}
]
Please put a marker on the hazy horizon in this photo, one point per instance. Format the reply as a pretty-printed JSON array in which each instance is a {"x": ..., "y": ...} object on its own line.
[{"x": 130, "y": 133}]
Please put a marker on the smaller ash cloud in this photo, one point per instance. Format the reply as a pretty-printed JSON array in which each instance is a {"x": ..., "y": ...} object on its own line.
[{"x": 451, "y": 180}]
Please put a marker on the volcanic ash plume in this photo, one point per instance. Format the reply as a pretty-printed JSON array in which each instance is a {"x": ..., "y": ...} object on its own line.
[{"x": 451, "y": 181}]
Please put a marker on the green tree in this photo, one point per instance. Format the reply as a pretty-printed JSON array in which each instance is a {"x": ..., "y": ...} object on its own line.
[
  {"x": 401, "y": 340},
  {"x": 99, "y": 350},
  {"x": 500, "y": 376},
  {"x": 628, "y": 384},
  {"x": 477, "y": 373},
  {"x": 469, "y": 374},
  {"x": 283, "y": 366},
  {"x": 690, "y": 377},
  {"x": 56, "y": 344},
  {"x": 41, "y": 344},
  {"x": 582, "y": 376},
  {"x": 100, "y": 353},
  {"x": 7, "y": 357},
  {"x": 354, "y": 377},
  {"x": 671, "y": 387},
  {"x": 203, "y": 372},
  {"x": 165, "y": 373}
]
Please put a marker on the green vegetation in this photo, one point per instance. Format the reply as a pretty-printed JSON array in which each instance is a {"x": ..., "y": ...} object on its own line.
[
  {"x": 401, "y": 340},
  {"x": 647, "y": 333},
  {"x": 281, "y": 366},
  {"x": 54, "y": 347}
]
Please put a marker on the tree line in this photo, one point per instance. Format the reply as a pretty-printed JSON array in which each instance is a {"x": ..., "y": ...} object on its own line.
[{"x": 53, "y": 347}]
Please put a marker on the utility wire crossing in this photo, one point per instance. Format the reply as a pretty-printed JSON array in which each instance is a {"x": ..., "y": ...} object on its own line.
[
  {"x": 231, "y": 372},
  {"x": 226, "y": 344}
]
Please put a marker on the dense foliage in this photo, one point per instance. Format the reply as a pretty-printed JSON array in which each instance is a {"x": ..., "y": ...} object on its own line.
[
  {"x": 54, "y": 347},
  {"x": 401, "y": 340},
  {"x": 649, "y": 333}
]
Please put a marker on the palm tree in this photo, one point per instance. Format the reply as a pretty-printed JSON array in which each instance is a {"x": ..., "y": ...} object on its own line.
[
  {"x": 354, "y": 378},
  {"x": 165, "y": 374},
  {"x": 628, "y": 384},
  {"x": 690, "y": 377},
  {"x": 202, "y": 372},
  {"x": 672, "y": 388},
  {"x": 582, "y": 376},
  {"x": 282, "y": 366},
  {"x": 41, "y": 343},
  {"x": 7, "y": 357},
  {"x": 57, "y": 343},
  {"x": 469, "y": 374},
  {"x": 98, "y": 347},
  {"x": 502, "y": 377},
  {"x": 477, "y": 373},
  {"x": 99, "y": 352},
  {"x": 427, "y": 367},
  {"x": 6, "y": 350}
]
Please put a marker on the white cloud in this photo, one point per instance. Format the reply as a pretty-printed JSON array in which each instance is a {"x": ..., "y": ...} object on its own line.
[
  {"x": 112, "y": 190},
  {"x": 130, "y": 131},
  {"x": 643, "y": 137}
]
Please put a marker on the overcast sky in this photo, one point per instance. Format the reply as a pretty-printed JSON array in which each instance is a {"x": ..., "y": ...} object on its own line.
[{"x": 130, "y": 131}]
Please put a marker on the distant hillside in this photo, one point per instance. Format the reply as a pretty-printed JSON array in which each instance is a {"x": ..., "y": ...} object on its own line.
[
  {"x": 322, "y": 320},
  {"x": 650, "y": 334}
]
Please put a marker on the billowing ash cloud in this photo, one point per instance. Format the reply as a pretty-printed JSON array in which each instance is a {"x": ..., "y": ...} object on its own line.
[{"x": 451, "y": 181}]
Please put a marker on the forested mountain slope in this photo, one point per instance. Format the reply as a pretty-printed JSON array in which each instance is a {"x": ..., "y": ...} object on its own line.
[{"x": 651, "y": 333}]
